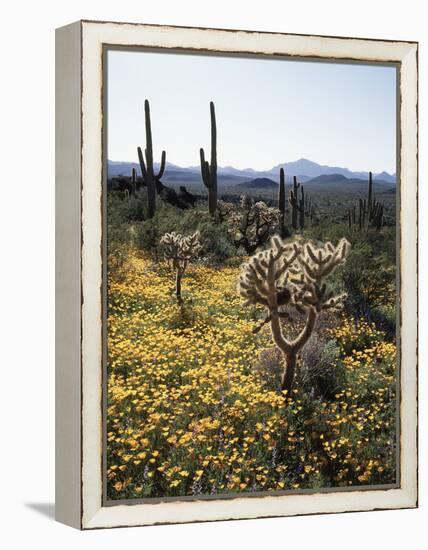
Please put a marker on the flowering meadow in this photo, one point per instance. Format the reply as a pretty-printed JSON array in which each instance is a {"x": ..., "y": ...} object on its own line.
[{"x": 193, "y": 408}]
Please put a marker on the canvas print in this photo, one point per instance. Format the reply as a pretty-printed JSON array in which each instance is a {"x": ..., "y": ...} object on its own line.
[{"x": 251, "y": 290}]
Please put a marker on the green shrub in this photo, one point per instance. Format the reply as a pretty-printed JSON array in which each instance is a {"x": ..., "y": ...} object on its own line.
[
  {"x": 369, "y": 281},
  {"x": 125, "y": 210},
  {"x": 217, "y": 246},
  {"x": 321, "y": 373}
]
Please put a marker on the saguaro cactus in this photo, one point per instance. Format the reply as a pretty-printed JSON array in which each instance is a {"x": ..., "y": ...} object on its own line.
[
  {"x": 179, "y": 250},
  {"x": 282, "y": 202},
  {"x": 302, "y": 208},
  {"x": 375, "y": 208},
  {"x": 134, "y": 183},
  {"x": 302, "y": 270},
  {"x": 209, "y": 170},
  {"x": 293, "y": 202},
  {"x": 370, "y": 197},
  {"x": 297, "y": 205},
  {"x": 370, "y": 211},
  {"x": 149, "y": 177},
  {"x": 308, "y": 204}
]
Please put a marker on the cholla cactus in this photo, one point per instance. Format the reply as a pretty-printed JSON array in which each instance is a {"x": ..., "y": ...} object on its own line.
[
  {"x": 179, "y": 250},
  {"x": 294, "y": 274},
  {"x": 251, "y": 224}
]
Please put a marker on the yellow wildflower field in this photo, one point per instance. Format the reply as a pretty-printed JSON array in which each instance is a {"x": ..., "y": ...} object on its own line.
[{"x": 189, "y": 412}]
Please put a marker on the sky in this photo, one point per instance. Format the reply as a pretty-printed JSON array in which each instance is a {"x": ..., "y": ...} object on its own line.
[{"x": 268, "y": 111}]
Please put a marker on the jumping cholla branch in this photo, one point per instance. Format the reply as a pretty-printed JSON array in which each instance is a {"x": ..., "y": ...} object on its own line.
[
  {"x": 252, "y": 223},
  {"x": 179, "y": 250},
  {"x": 302, "y": 270}
]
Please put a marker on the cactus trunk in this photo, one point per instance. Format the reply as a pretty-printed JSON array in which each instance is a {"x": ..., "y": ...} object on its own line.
[
  {"x": 209, "y": 170},
  {"x": 294, "y": 203},
  {"x": 150, "y": 180},
  {"x": 290, "y": 351},
  {"x": 302, "y": 209},
  {"x": 212, "y": 201},
  {"x": 178, "y": 278},
  {"x": 369, "y": 206},
  {"x": 294, "y": 216},
  {"x": 134, "y": 183},
  {"x": 281, "y": 203},
  {"x": 287, "y": 379}
]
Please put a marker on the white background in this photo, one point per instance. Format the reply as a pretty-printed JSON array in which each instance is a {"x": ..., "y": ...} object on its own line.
[{"x": 27, "y": 272}]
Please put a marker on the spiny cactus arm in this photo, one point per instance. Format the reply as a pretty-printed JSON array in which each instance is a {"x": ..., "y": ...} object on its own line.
[
  {"x": 189, "y": 247},
  {"x": 319, "y": 263},
  {"x": 298, "y": 343},
  {"x": 259, "y": 284},
  {"x": 261, "y": 227},
  {"x": 253, "y": 283},
  {"x": 277, "y": 334},
  {"x": 149, "y": 144},
  {"x": 294, "y": 192},
  {"x": 205, "y": 169},
  {"x": 260, "y": 279},
  {"x": 320, "y": 256},
  {"x": 288, "y": 262},
  {"x": 281, "y": 315},
  {"x": 162, "y": 166},
  {"x": 278, "y": 248},
  {"x": 293, "y": 346},
  {"x": 209, "y": 170},
  {"x": 292, "y": 198},
  {"x": 310, "y": 290},
  {"x": 296, "y": 185},
  {"x": 316, "y": 296},
  {"x": 280, "y": 257},
  {"x": 180, "y": 249},
  {"x": 142, "y": 164},
  {"x": 213, "y": 141},
  {"x": 295, "y": 201}
]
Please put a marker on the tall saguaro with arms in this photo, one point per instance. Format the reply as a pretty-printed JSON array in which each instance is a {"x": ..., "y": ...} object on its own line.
[
  {"x": 147, "y": 171},
  {"x": 209, "y": 170}
]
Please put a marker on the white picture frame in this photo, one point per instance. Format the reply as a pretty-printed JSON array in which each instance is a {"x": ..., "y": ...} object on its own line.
[{"x": 79, "y": 271}]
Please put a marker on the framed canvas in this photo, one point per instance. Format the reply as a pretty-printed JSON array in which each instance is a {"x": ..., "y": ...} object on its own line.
[{"x": 236, "y": 274}]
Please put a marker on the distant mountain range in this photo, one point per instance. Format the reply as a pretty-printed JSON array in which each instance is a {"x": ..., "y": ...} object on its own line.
[
  {"x": 305, "y": 170},
  {"x": 259, "y": 183},
  {"x": 325, "y": 182},
  {"x": 312, "y": 170}
]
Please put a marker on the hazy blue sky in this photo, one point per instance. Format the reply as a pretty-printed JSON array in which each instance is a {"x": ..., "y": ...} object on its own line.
[{"x": 268, "y": 111}]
